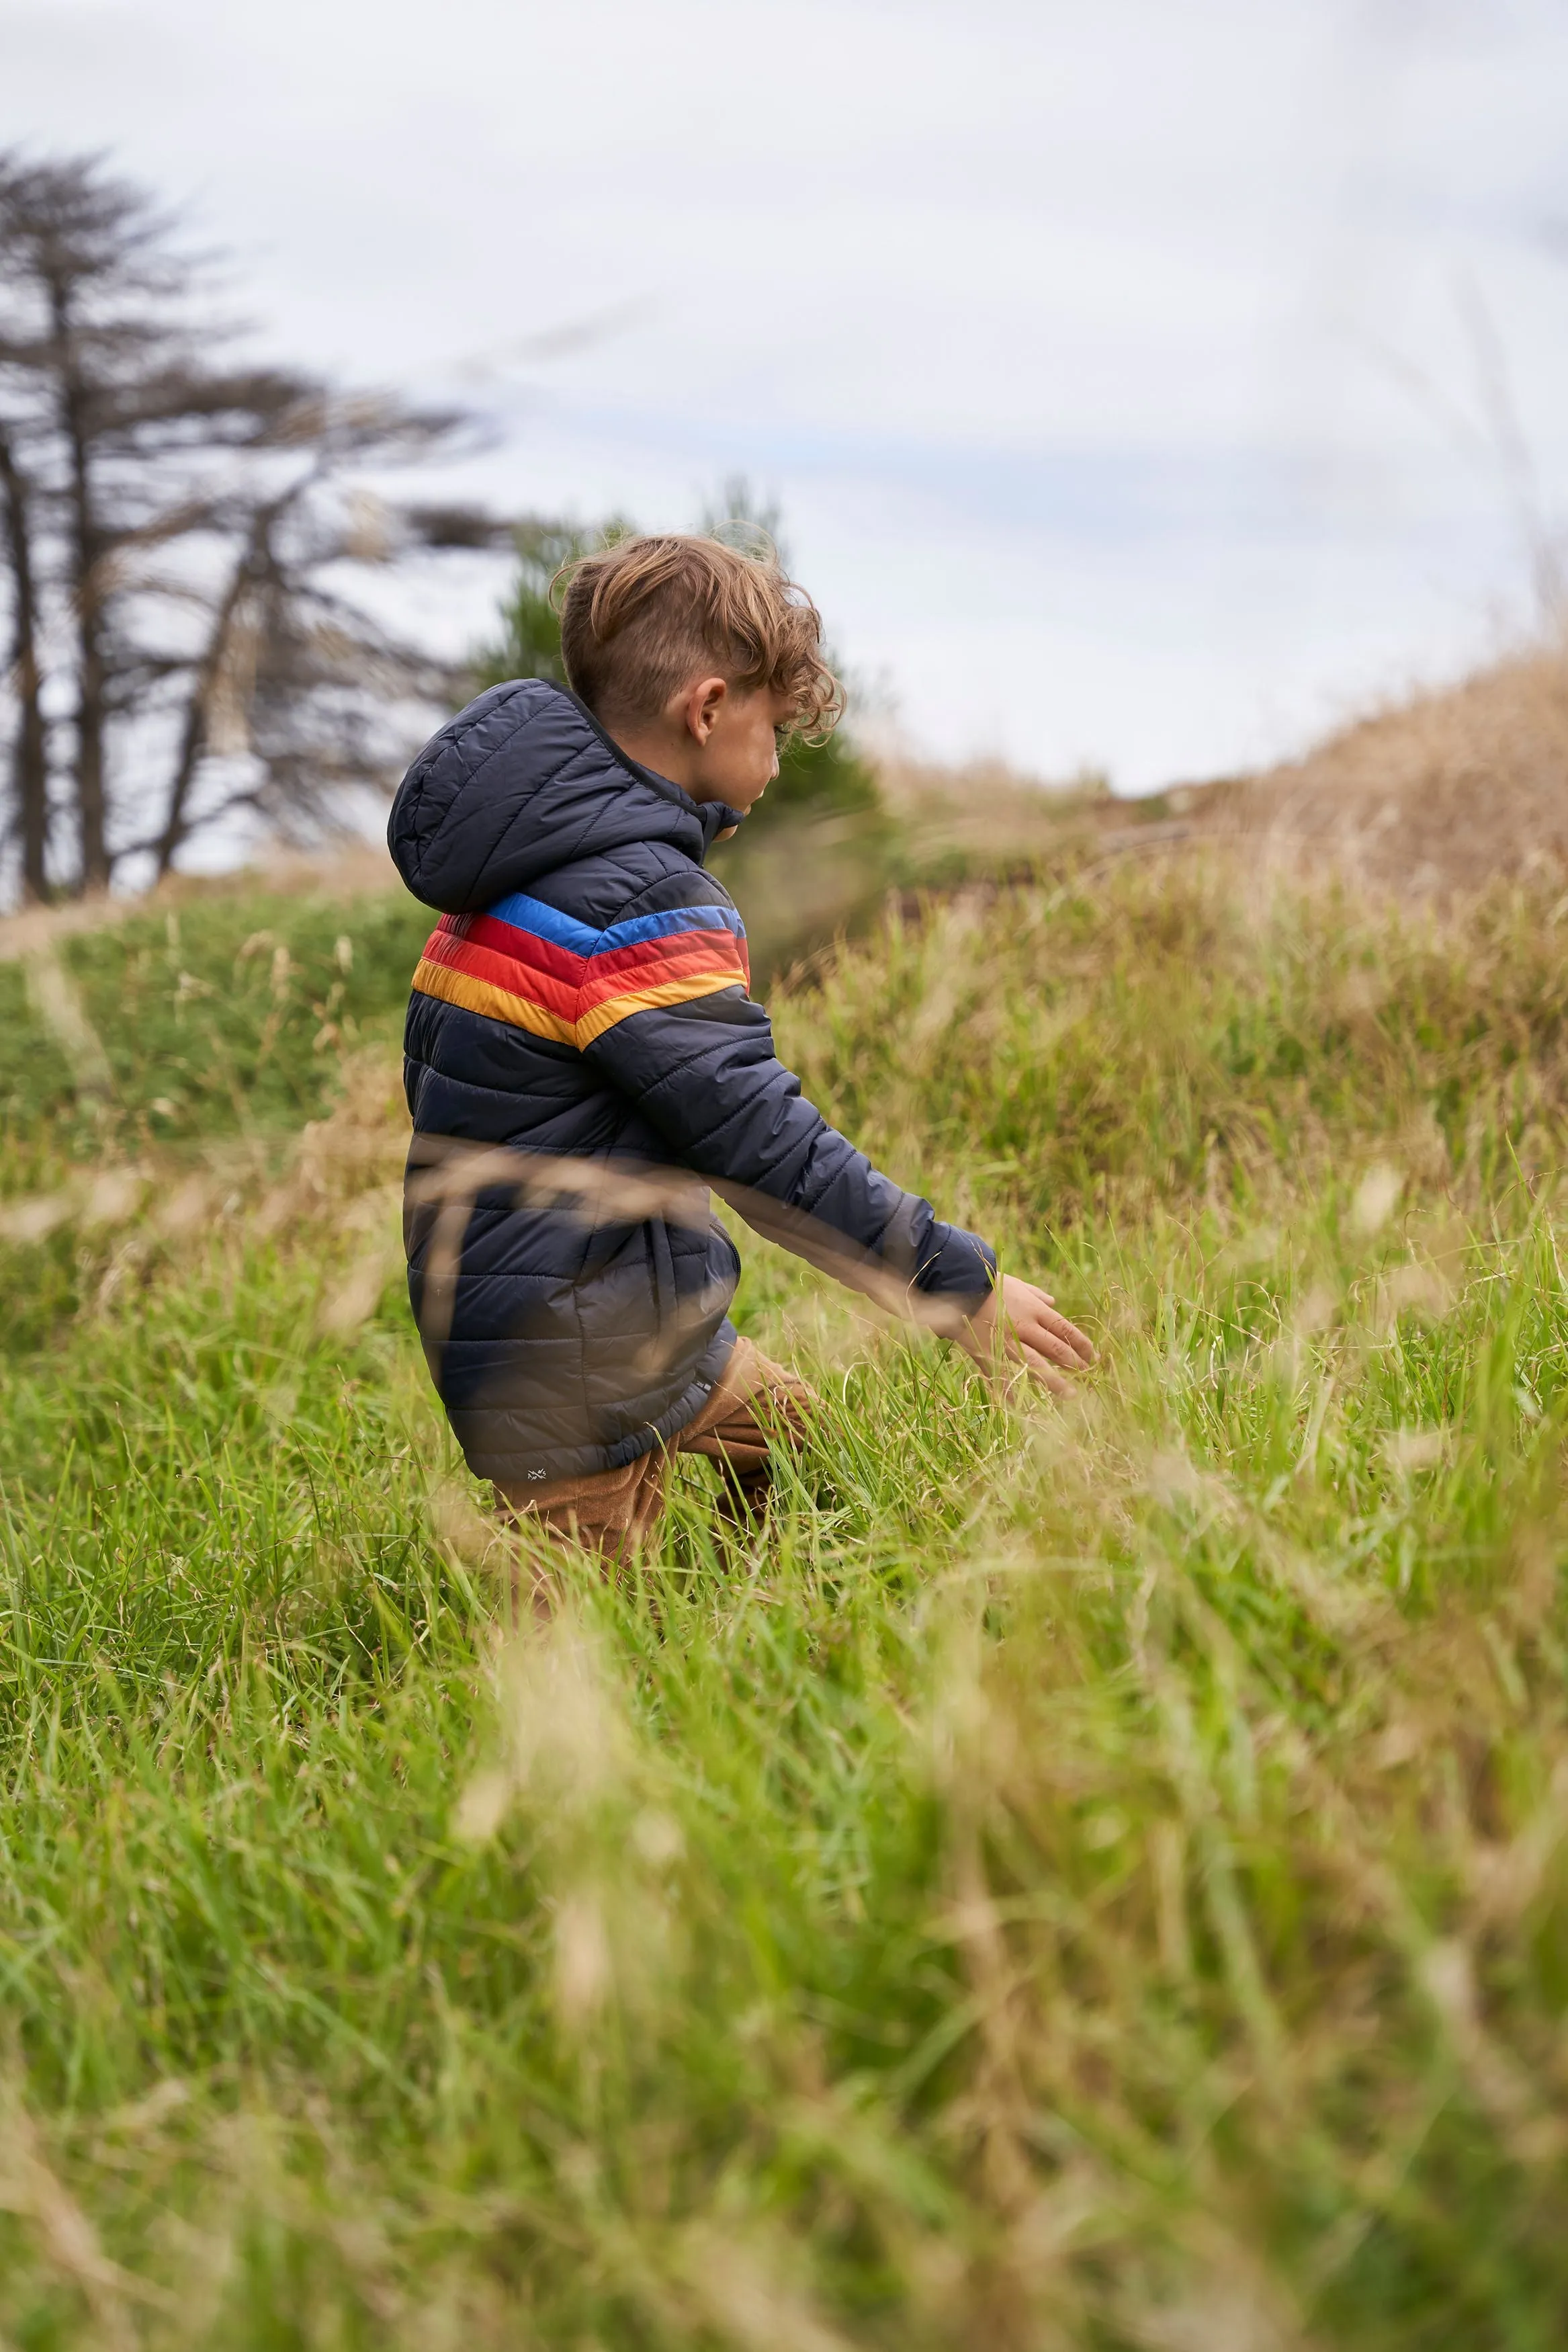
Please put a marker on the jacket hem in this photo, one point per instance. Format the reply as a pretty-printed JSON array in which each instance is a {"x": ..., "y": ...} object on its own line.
[{"x": 520, "y": 1469}]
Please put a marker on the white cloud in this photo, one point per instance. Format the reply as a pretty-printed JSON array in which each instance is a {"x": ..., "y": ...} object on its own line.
[{"x": 1105, "y": 359}]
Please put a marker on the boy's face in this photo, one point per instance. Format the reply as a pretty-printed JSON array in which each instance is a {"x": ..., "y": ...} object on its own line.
[{"x": 736, "y": 743}]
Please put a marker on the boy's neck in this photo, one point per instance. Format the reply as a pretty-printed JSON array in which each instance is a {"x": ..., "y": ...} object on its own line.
[{"x": 671, "y": 755}]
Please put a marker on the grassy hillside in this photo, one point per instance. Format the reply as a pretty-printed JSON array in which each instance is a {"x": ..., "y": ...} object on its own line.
[
  {"x": 1091, "y": 1877},
  {"x": 222, "y": 1013}
]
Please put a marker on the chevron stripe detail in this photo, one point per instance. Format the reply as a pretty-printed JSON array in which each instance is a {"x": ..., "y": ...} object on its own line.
[{"x": 528, "y": 964}]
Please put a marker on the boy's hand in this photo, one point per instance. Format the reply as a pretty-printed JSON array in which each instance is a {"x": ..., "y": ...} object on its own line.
[{"x": 1019, "y": 1325}]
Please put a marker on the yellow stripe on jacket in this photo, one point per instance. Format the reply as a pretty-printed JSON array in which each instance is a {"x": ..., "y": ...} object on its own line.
[{"x": 476, "y": 995}]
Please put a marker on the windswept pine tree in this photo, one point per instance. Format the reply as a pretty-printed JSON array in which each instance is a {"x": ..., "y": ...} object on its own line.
[{"x": 184, "y": 540}]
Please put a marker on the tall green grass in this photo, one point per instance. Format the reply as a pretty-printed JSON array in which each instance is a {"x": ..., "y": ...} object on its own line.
[
  {"x": 220, "y": 1014},
  {"x": 1091, "y": 1876}
]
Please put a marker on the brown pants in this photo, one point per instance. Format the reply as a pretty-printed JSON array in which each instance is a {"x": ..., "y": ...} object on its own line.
[{"x": 757, "y": 1405}]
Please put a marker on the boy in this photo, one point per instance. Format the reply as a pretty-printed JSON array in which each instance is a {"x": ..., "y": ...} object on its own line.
[{"x": 583, "y": 1006}]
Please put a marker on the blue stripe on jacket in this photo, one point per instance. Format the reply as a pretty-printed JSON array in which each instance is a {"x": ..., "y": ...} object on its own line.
[{"x": 527, "y": 914}]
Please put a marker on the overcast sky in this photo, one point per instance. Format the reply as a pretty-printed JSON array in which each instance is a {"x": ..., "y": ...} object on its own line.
[{"x": 1139, "y": 381}]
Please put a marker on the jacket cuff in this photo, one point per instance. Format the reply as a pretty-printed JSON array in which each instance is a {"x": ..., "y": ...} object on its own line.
[{"x": 956, "y": 1264}]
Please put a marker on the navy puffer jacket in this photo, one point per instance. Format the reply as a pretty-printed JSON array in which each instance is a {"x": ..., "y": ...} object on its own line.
[{"x": 585, "y": 994}]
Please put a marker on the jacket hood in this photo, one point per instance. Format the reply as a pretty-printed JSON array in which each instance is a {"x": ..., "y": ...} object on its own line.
[{"x": 523, "y": 780}]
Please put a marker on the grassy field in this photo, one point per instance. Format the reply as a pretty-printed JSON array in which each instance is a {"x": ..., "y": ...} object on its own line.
[{"x": 1089, "y": 1877}]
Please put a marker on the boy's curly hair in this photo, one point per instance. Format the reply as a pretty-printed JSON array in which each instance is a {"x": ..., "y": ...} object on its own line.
[{"x": 647, "y": 615}]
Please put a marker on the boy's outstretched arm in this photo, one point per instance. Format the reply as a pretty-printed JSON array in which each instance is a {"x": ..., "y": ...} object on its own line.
[{"x": 704, "y": 1073}]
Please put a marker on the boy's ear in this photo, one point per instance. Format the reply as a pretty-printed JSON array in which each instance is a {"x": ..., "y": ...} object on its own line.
[{"x": 701, "y": 706}]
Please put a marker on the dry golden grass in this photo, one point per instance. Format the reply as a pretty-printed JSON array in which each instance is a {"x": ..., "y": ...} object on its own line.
[
  {"x": 1441, "y": 794},
  {"x": 1438, "y": 795}
]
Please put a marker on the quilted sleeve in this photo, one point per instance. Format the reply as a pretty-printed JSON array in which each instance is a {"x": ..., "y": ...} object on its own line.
[{"x": 664, "y": 1013}]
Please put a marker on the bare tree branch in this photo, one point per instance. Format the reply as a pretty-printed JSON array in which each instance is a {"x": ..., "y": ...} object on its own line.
[{"x": 194, "y": 535}]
